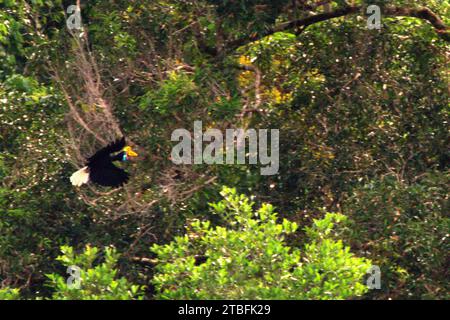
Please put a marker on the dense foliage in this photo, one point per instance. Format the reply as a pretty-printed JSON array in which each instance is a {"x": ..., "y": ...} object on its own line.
[
  {"x": 249, "y": 260},
  {"x": 363, "y": 118},
  {"x": 92, "y": 283}
]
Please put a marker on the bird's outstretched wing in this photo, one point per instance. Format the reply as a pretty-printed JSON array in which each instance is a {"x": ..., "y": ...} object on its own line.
[
  {"x": 108, "y": 175},
  {"x": 115, "y": 146}
]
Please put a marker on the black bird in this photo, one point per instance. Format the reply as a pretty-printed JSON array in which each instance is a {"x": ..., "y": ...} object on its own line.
[{"x": 100, "y": 168}]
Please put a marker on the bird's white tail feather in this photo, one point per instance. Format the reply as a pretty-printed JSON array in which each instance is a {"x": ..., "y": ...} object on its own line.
[{"x": 80, "y": 177}]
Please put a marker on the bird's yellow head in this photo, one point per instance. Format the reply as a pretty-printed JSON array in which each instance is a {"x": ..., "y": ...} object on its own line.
[{"x": 130, "y": 152}]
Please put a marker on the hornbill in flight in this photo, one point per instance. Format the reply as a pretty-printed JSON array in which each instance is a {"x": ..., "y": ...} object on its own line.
[{"x": 100, "y": 168}]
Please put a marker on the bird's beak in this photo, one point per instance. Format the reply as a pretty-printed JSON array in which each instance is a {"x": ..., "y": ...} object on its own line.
[{"x": 130, "y": 152}]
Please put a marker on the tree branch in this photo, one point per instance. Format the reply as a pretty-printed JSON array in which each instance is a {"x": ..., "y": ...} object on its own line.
[{"x": 420, "y": 13}]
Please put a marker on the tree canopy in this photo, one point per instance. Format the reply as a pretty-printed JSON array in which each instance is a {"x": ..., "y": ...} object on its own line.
[{"x": 363, "y": 149}]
